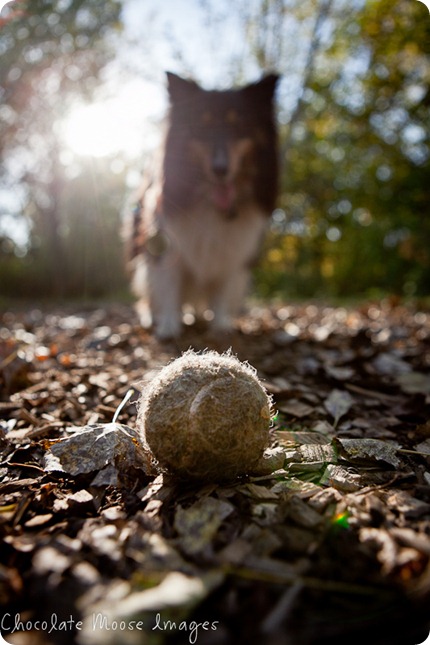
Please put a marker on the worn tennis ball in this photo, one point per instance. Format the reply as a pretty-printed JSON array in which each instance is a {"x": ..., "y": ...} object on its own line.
[{"x": 206, "y": 416}]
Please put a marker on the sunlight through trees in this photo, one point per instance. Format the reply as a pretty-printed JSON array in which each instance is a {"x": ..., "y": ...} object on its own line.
[{"x": 82, "y": 104}]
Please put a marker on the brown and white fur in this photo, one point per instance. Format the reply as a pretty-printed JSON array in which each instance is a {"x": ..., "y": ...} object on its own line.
[{"x": 200, "y": 219}]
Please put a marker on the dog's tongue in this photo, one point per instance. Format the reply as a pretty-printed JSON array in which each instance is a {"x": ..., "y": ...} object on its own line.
[{"x": 223, "y": 196}]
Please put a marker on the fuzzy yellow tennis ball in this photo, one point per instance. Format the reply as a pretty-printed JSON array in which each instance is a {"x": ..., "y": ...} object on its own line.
[{"x": 206, "y": 416}]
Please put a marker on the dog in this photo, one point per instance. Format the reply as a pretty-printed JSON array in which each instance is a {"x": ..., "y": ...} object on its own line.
[{"x": 201, "y": 215}]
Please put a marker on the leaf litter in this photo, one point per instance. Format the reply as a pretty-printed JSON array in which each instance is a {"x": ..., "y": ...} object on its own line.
[{"x": 327, "y": 541}]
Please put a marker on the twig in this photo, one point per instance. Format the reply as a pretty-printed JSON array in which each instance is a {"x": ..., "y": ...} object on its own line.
[
  {"x": 282, "y": 609},
  {"x": 305, "y": 581}
]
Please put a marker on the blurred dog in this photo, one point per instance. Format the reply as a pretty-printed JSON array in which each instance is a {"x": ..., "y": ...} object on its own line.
[{"x": 199, "y": 220}]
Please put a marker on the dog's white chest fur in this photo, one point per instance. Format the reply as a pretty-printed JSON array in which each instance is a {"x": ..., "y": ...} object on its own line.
[{"x": 213, "y": 246}]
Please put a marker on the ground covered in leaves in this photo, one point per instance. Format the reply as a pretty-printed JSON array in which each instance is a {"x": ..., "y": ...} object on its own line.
[{"x": 332, "y": 546}]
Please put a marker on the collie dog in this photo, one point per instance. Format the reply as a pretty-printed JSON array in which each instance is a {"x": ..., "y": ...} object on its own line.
[{"x": 200, "y": 217}]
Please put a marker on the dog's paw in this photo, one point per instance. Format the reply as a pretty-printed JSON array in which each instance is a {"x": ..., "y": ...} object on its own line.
[
  {"x": 168, "y": 328},
  {"x": 144, "y": 313},
  {"x": 221, "y": 324}
]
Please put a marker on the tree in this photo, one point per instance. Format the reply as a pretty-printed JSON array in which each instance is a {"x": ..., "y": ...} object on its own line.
[
  {"x": 52, "y": 53},
  {"x": 354, "y": 191}
]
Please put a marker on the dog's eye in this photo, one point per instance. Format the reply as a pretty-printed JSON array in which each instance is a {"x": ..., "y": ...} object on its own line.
[{"x": 231, "y": 117}]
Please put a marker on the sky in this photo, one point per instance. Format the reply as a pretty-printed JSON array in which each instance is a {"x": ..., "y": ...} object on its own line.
[
  {"x": 154, "y": 34},
  {"x": 182, "y": 26}
]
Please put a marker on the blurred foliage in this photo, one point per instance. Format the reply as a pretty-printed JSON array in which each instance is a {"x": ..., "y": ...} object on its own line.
[
  {"x": 354, "y": 210},
  {"x": 353, "y": 214}
]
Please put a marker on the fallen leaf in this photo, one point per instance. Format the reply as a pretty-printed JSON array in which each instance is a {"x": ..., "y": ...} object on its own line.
[
  {"x": 198, "y": 524},
  {"x": 341, "y": 479},
  {"x": 312, "y": 458},
  {"x": 339, "y": 373},
  {"x": 414, "y": 382},
  {"x": 338, "y": 404},
  {"x": 95, "y": 447},
  {"x": 266, "y": 513},
  {"x": 272, "y": 459},
  {"x": 423, "y": 447},
  {"x": 257, "y": 491},
  {"x": 390, "y": 364},
  {"x": 385, "y": 544},
  {"x": 370, "y": 450},
  {"x": 296, "y": 409},
  {"x": 318, "y": 453},
  {"x": 409, "y": 506},
  {"x": 289, "y": 438},
  {"x": 302, "y": 514},
  {"x": 293, "y": 484}
]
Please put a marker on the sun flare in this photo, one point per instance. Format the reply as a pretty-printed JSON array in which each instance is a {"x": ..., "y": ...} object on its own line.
[
  {"x": 124, "y": 124},
  {"x": 91, "y": 130},
  {"x": 3, "y": 3}
]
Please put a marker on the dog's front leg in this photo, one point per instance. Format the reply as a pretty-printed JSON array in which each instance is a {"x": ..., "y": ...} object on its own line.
[
  {"x": 166, "y": 283},
  {"x": 228, "y": 299}
]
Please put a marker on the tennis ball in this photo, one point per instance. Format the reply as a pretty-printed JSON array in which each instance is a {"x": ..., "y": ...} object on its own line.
[{"x": 206, "y": 416}]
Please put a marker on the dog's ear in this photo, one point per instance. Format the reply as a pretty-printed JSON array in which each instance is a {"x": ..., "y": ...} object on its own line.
[
  {"x": 180, "y": 88},
  {"x": 266, "y": 87}
]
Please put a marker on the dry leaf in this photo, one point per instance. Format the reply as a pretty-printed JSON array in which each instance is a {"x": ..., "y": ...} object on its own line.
[
  {"x": 338, "y": 404},
  {"x": 198, "y": 524},
  {"x": 370, "y": 450},
  {"x": 292, "y": 438},
  {"x": 296, "y": 409},
  {"x": 414, "y": 382},
  {"x": 341, "y": 479},
  {"x": 97, "y": 447}
]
